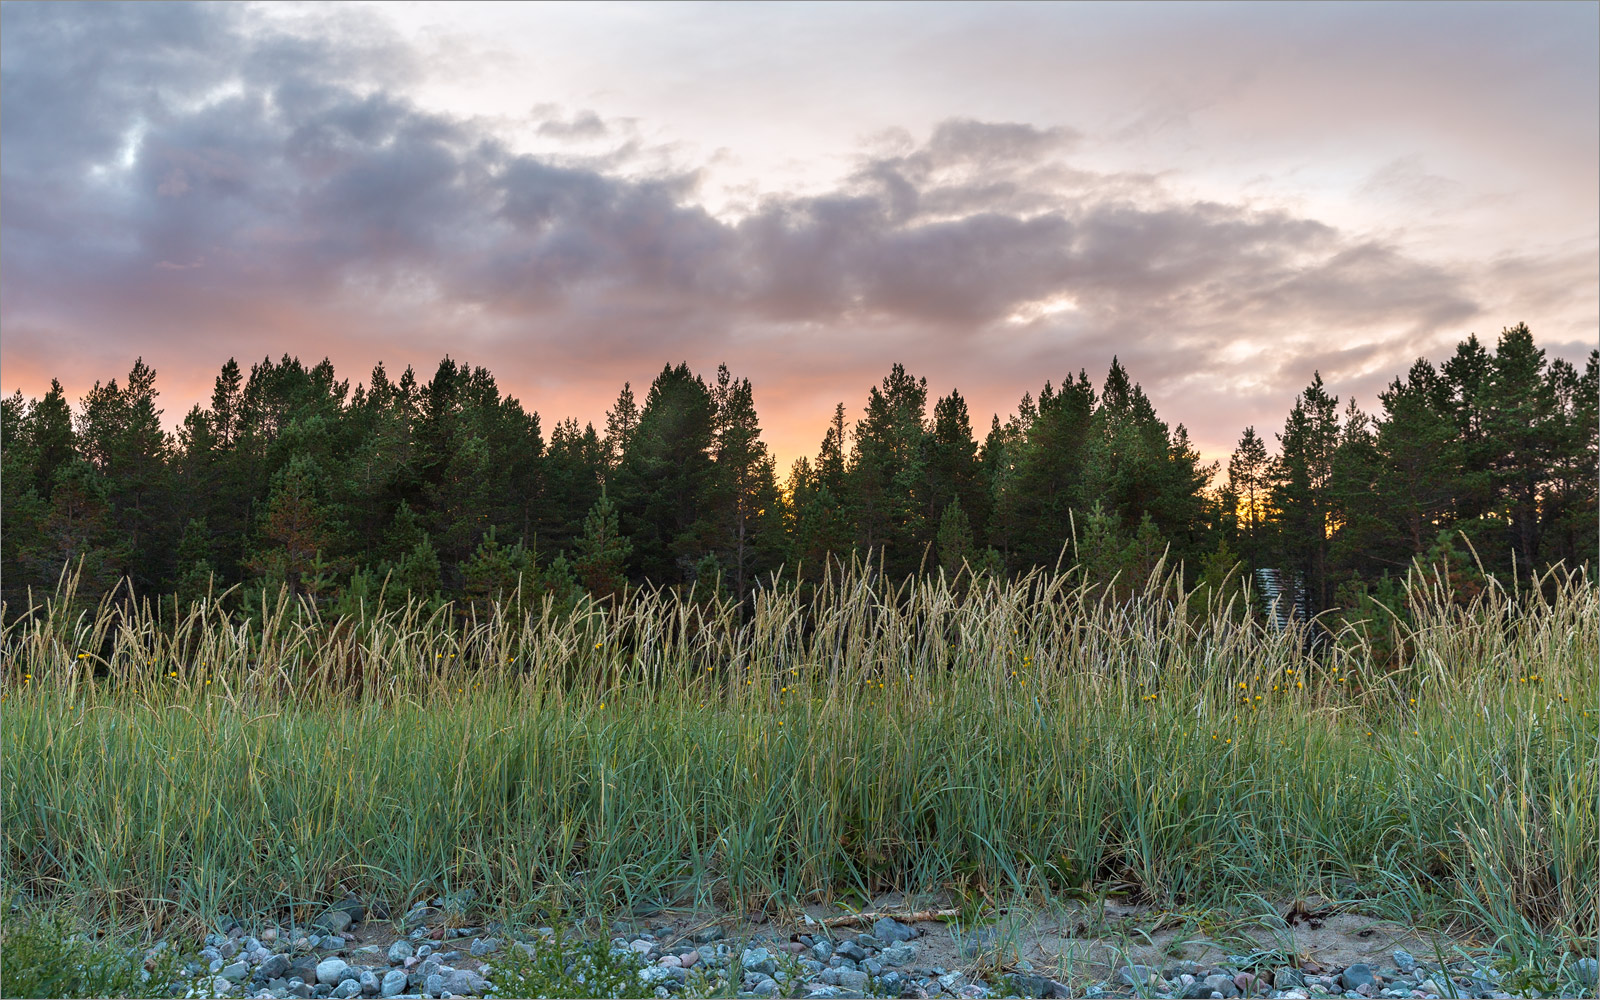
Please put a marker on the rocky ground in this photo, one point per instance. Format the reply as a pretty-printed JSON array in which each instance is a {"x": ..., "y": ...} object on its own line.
[{"x": 435, "y": 950}]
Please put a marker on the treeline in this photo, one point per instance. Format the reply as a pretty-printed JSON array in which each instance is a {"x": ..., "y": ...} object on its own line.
[{"x": 449, "y": 490}]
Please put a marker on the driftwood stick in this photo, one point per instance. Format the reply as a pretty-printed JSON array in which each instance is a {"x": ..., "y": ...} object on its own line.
[{"x": 852, "y": 919}]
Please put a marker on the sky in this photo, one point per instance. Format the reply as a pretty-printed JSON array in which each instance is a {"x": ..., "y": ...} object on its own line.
[{"x": 1227, "y": 197}]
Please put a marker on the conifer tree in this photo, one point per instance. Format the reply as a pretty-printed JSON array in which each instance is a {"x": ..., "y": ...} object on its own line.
[
  {"x": 1248, "y": 479},
  {"x": 602, "y": 551},
  {"x": 954, "y": 539}
]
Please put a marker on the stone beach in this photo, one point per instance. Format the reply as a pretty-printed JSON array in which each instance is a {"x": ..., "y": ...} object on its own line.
[{"x": 436, "y": 957}]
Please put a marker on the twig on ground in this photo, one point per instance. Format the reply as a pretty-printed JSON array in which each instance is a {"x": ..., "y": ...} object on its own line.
[{"x": 851, "y": 919}]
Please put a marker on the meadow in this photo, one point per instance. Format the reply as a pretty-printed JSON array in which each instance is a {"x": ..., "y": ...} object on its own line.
[{"x": 988, "y": 739}]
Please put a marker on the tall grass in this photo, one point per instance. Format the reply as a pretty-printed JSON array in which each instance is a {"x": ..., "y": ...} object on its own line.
[{"x": 988, "y": 736}]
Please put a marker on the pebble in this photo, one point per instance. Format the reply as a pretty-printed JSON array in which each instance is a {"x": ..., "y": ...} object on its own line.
[
  {"x": 882, "y": 962},
  {"x": 849, "y": 949},
  {"x": 394, "y": 983},
  {"x": 1587, "y": 972},
  {"x": 346, "y": 989},
  {"x": 758, "y": 961},
  {"x": 331, "y": 971},
  {"x": 852, "y": 980},
  {"x": 1357, "y": 976},
  {"x": 890, "y": 929}
]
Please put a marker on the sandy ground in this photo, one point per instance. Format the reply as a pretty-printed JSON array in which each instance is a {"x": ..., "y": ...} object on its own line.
[{"x": 1076, "y": 943}]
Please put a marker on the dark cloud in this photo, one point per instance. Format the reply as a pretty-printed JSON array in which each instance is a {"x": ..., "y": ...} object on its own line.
[
  {"x": 581, "y": 126},
  {"x": 188, "y": 173}
]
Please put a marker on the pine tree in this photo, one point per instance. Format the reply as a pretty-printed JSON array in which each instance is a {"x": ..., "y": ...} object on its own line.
[
  {"x": 745, "y": 496},
  {"x": 1519, "y": 438},
  {"x": 294, "y": 532},
  {"x": 1050, "y": 475},
  {"x": 622, "y": 420},
  {"x": 602, "y": 552},
  {"x": 951, "y": 465},
  {"x": 1418, "y": 454},
  {"x": 1302, "y": 477},
  {"x": 76, "y": 533},
  {"x": 955, "y": 539},
  {"x": 499, "y": 575},
  {"x": 886, "y": 472},
  {"x": 1248, "y": 479},
  {"x": 665, "y": 488}
]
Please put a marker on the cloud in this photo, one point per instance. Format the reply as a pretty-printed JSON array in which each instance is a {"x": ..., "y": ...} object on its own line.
[{"x": 194, "y": 176}]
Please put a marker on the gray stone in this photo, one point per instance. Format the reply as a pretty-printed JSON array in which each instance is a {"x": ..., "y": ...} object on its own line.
[
  {"x": 236, "y": 971},
  {"x": 852, "y": 980},
  {"x": 1587, "y": 972},
  {"x": 332, "y": 971},
  {"x": 1034, "y": 987},
  {"x": 850, "y": 950},
  {"x": 221, "y": 986},
  {"x": 400, "y": 951},
  {"x": 1288, "y": 978},
  {"x": 228, "y": 948},
  {"x": 330, "y": 942},
  {"x": 1222, "y": 984},
  {"x": 890, "y": 929},
  {"x": 764, "y": 986},
  {"x": 868, "y": 942},
  {"x": 706, "y": 935},
  {"x": 394, "y": 983},
  {"x": 1404, "y": 961},
  {"x": 345, "y": 990},
  {"x": 464, "y": 982},
  {"x": 952, "y": 981},
  {"x": 872, "y": 967},
  {"x": 823, "y": 950},
  {"x": 302, "y": 990},
  {"x": 900, "y": 953},
  {"x": 758, "y": 961},
  {"x": 333, "y": 921},
  {"x": 1356, "y": 976},
  {"x": 1134, "y": 975},
  {"x": 484, "y": 946},
  {"x": 369, "y": 983}
]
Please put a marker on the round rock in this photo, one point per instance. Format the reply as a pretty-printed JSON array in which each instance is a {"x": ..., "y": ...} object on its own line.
[{"x": 332, "y": 971}]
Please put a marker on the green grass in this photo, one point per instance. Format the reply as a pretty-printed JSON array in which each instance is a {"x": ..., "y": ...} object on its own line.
[
  {"x": 1021, "y": 739},
  {"x": 40, "y": 956}
]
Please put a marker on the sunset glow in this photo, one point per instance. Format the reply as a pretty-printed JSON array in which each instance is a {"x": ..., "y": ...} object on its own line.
[{"x": 1227, "y": 197}]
